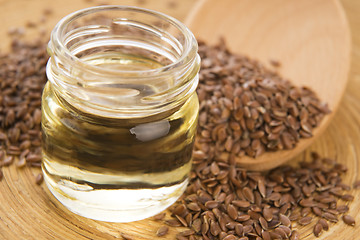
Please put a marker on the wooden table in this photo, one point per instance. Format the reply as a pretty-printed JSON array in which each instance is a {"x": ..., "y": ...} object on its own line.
[{"x": 28, "y": 211}]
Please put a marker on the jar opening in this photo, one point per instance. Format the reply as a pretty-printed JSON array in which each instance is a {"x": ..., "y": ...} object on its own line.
[{"x": 161, "y": 41}]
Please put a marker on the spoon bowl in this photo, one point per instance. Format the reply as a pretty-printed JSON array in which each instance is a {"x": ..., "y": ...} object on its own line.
[{"x": 311, "y": 40}]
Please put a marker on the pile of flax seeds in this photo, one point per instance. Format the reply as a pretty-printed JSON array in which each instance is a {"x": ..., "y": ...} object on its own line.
[{"x": 245, "y": 109}]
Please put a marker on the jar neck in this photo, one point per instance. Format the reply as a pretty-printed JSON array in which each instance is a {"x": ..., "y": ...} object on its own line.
[{"x": 122, "y": 62}]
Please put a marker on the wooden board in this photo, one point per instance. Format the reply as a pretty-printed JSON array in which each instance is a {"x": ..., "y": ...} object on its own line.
[{"x": 28, "y": 211}]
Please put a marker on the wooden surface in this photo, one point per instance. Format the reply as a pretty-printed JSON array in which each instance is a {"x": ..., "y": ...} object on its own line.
[
  {"x": 28, "y": 211},
  {"x": 310, "y": 38}
]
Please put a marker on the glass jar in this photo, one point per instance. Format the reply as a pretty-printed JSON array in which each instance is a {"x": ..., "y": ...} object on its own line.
[{"x": 119, "y": 112}]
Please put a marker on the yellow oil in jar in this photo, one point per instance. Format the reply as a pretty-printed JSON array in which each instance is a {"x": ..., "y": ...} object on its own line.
[{"x": 116, "y": 169}]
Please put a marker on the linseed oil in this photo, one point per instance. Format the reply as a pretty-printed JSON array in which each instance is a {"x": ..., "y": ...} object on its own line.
[{"x": 116, "y": 169}]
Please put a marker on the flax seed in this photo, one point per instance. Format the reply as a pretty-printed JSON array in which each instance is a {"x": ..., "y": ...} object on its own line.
[
  {"x": 159, "y": 216},
  {"x": 305, "y": 220},
  {"x": 162, "y": 231},
  {"x": 318, "y": 229},
  {"x": 324, "y": 224},
  {"x": 39, "y": 179},
  {"x": 349, "y": 220}
]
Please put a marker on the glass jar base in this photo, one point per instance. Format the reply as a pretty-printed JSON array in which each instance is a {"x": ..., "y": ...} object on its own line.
[{"x": 133, "y": 205}]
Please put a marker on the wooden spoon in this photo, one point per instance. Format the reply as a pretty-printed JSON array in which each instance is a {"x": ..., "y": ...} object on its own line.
[{"x": 310, "y": 38}]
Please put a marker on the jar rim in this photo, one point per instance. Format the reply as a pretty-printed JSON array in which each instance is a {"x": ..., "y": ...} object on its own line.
[{"x": 187, "y": 55}]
